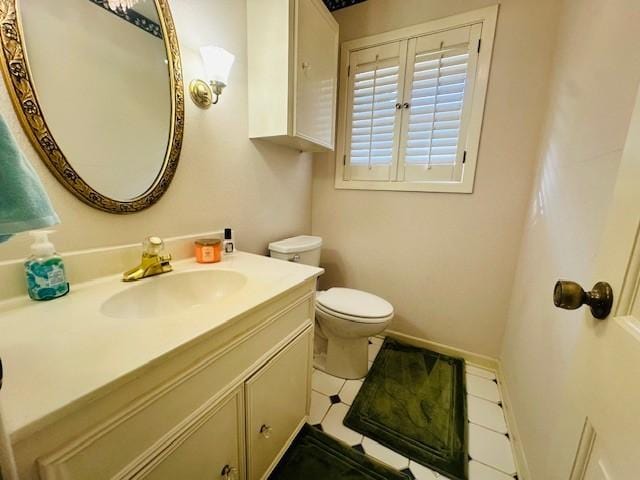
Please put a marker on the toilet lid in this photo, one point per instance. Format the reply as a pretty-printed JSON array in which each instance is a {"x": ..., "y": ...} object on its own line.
[{"x": 354, "y": 303}]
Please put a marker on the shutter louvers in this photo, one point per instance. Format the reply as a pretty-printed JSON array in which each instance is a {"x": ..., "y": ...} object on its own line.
[
  {"x": 374, "y": 121},
  {"x": 437, "y": 96},
  {"x": 375, "y": 94},
  {"x": 439, "y": 88}
]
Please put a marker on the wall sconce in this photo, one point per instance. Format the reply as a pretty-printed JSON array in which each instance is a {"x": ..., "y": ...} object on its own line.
[{"x": 217, "y": 66}]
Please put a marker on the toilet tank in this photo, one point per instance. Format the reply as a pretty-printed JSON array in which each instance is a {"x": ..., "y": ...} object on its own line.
[{"x": 303, "y": 249}]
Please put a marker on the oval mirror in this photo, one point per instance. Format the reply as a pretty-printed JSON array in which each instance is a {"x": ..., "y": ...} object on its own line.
[{"x": 99, "y": 93}]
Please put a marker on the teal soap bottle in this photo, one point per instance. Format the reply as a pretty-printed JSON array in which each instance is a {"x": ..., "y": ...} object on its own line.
[{"x": 44, "y": 269}]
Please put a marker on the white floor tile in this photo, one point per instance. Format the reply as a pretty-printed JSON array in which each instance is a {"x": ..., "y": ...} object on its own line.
[
  {"x": 369, "y": 367},
  {"x": 423, "y": 473},
  {"x": 319, "y": 407},
  {"x": 491, "y": 448},
  {"x": 376, "y": 340},
  {"x": 483, "y": 388},
  {"x": 383, "y": 454},
  {"x": 325, "y": 383},
  {"x": 332, "y": 425},
  {"x": 480, "y": 372},
  {"x": 478, "y": 471},
  {"x": 374, "y": 349},
  {"x": 349, "y": 391},
  {"x": 486, "y": 414}
]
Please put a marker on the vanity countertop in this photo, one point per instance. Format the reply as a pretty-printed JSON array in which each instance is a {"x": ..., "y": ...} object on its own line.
[{"x": 60, "y": 352}]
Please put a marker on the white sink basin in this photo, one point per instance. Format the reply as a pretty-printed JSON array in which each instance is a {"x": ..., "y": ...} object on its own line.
[{"x": 173, "y": 293}]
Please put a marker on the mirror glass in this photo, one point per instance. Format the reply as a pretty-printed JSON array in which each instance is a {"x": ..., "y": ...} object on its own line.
[{"x": 103, "y": 84}]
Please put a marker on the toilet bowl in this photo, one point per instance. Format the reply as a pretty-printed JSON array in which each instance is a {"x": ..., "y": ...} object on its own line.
[{"x": 345, "y": 318}]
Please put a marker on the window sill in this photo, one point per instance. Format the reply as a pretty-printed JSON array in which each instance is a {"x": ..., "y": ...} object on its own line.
[{"x": 433, "y": 187}]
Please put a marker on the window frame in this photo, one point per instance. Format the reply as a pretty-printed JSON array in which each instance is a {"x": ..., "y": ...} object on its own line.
[{"x": 488, "y": 18}]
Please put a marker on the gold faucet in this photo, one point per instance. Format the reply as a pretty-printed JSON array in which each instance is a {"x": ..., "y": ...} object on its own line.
[{"x": 152, "y": 262}]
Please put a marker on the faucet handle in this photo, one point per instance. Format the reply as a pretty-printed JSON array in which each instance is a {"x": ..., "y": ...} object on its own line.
[{"x": 153, "y": 245}]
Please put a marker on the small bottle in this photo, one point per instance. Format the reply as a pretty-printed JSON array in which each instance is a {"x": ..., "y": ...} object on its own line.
[
  {"x": 44, "y": 269},
  {"x": 228, "y": 246}
]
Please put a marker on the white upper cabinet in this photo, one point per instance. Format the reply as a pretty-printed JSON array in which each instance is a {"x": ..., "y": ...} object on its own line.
[{"x": 293, "y": 73}]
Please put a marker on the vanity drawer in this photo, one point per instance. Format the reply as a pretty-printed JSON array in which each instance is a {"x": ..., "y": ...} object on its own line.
[
  {"x": 277, "y": 404},
  {"x": 117, "y": 447},
  {"x": 209, "y": 446}
]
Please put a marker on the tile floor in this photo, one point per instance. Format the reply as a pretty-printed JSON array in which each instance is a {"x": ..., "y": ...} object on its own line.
[{"x": 489, "y": 446}]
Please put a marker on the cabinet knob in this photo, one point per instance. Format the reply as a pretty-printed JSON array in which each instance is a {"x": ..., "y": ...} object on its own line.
[
  {"x": 266, "y": 431},
  {"x": 229, "y": 473}
]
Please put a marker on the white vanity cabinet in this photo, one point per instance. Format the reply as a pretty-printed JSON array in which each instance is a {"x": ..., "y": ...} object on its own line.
[
  {"x": 226, "y": 406},
  {"x": 293, "y": 73},
  {"x": 276, "y": 406}
]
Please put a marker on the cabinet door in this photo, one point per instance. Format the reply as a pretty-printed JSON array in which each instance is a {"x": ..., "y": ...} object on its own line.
[
  {"x": 278, "y": 398},
  {"x": 316, "y": 73},
  {"x": 210, "y": 447}
]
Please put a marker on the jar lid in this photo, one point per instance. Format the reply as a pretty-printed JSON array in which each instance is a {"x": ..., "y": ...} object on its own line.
[{"x": 207, "y": 242}]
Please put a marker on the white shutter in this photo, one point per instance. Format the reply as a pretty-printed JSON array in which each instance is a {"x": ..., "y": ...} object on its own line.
[
  {"x": 439, "y": 84},
  {"x": 376, "y": 81}
]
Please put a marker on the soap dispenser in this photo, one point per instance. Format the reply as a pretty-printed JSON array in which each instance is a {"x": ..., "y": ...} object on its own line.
[{"x": 44, "y": 269}]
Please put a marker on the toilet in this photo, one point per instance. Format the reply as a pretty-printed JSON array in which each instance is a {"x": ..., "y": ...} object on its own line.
[{"x": 345, "y": 318}]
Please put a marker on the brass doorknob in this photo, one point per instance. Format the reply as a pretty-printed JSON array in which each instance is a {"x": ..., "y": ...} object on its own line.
[{"x": 570, "y": 296}]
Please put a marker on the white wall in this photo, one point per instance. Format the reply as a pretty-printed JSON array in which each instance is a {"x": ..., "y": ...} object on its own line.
[
  {"x": 594, "y": 83},
  {"x": 446, "y": 261},
  {"x": 261, "y": 190}
]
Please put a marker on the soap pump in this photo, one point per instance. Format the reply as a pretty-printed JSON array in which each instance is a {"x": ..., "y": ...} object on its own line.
[{"x": 44, "y": 269}]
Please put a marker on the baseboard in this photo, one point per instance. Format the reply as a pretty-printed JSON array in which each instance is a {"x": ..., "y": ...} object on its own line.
[
  {"x": 516, "y": 443},
  {"x": 475, "y": 358}
]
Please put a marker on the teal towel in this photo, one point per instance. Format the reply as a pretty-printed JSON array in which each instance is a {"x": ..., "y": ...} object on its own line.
[{"x": 24, "y": 205}]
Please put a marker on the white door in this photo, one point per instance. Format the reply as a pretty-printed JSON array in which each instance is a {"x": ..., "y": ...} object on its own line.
[{"x": 607, "y": 366}]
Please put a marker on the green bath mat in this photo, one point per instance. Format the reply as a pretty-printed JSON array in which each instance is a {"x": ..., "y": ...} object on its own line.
[
  {"x": 316, "y": 456},
  {"x": 413, "y": 401}
]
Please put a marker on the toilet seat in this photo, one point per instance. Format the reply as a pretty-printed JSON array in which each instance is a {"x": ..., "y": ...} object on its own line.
[
  {"x": 349, "y": 318},
  {"x": 354, "y": 305}
]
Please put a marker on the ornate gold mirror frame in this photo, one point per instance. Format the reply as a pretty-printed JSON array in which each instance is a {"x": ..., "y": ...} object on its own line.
[{"x": 19, "y": 83}]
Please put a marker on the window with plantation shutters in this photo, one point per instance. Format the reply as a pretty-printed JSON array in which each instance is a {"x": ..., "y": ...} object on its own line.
[{"x": 413, "y": 107}]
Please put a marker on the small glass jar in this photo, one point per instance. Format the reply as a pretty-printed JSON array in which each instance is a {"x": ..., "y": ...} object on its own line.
[{"x": 208, "y": 250}]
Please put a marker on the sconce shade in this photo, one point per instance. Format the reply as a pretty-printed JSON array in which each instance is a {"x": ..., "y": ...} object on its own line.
[{"x": 217, "y": 64}]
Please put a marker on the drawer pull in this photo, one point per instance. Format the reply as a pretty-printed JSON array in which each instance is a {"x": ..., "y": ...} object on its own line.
[
  {"x": 229, "y": 473},
  {"x": 266, "y": 430}
]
